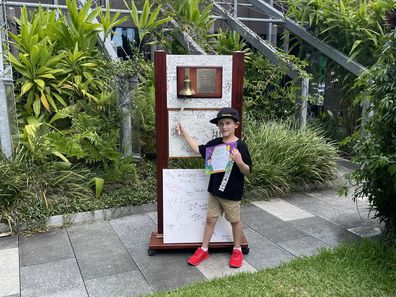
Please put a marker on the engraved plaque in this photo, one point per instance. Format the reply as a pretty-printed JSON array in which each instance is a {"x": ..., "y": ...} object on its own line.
[{"x": 207, "y": 82}]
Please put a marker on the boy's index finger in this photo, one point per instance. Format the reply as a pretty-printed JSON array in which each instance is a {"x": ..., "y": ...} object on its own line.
[
  {"x": 234, "y": 150},
  {"x": 179, "y": 128}
]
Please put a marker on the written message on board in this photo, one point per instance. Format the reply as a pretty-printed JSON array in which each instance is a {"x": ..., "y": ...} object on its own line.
[
  {"x": 196, "y": 122},
  {"x": 185, "y": 204}
]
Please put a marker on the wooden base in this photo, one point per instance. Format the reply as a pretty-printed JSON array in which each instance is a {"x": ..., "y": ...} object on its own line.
[{"x": 157, "y": 243}]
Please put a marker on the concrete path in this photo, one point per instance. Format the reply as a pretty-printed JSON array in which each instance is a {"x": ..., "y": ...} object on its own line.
[{"x": 109, "y": 258}]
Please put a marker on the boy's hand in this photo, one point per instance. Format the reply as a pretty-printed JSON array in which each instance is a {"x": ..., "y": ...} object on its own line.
[
  {"x": 236, "y": 156},
  {"x": 191, "y": 141}
]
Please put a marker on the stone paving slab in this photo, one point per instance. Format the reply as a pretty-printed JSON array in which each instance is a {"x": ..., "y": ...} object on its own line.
[
  {"x": 323, "y": 230},
  {"x": 283, "y": 210},
  {"x": 8, "y": 242},
  {"x": 217, "y": 266},
  {"x": 153, "y": 216},
  {"x": 298, "y": 198},
  {"x": 9, "y": 272},
  {"x": 125, "y": 284},
  {"x": 339, "y": 215},
  {"x": 331, "y": 197},
  {"x": 306, "y": 246},
  {"x": 98, "y": 250},
  {"x": 163, "y": 271},
  {"x": 134, "y": 231},
  {"x": 263, "y": 252},
  {"x": 60, "y": 278},
  {"x": 270, "y": 226},
  {"x": 251, "y": 214},
  {"x": 45, "y": 247}
]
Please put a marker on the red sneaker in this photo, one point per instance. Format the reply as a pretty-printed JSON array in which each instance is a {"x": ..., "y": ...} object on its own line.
[
  {"x": 198, "y": 257},
  {"x": 236, "y": 259}
]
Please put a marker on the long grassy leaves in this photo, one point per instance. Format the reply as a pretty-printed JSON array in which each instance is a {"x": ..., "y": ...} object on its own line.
[{"x": 286, "y": 159}]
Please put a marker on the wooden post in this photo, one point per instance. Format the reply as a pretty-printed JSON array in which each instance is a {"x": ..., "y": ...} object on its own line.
[
  {"x": 161, "y": 125},
  {"x": 237, "y": 85}
]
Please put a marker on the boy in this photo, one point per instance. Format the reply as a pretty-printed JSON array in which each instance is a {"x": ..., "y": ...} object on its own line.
[{"x": 225, "y": 188}]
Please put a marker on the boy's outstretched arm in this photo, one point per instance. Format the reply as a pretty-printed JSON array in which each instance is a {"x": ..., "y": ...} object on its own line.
[{"x": 191, "y": 141}]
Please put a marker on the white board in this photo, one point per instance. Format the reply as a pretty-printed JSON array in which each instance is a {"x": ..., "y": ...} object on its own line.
[
  {"x": 184, "y": 208},
  {"x": 196, "y": 122}
]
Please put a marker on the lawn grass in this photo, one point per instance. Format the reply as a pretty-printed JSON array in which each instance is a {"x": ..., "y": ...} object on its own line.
[{"x": 361, "y": 268}]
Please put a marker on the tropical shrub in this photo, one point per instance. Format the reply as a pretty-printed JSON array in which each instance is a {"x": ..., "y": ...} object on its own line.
[
  {"x": 62, "y": 83},
  {"x": 147, "y": 21},
  {"x": 37, "y": 64},
  {"x": 194, "y": 15},
  {"x": 194, "y": 18},
  {"x": 267, "y": 92},
  {"x": 29, "y": 191},
  {"x": 354, "y": 27},
  {"x": 57, "y": 58},
  {"x": 227, "y": 42},
  {"x": 286, "y": 159},
  {"x": 376, "y": 151}
]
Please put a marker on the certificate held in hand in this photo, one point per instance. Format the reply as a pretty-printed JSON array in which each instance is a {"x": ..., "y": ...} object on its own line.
[{"x": 218, "y": 158}]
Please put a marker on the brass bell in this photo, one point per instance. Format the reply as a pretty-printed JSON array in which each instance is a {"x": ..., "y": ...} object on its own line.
[{"x": 187, "y": 89}]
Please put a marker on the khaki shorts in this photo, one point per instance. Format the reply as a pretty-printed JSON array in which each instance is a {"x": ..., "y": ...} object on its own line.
[{"x": 231, "y": 209}]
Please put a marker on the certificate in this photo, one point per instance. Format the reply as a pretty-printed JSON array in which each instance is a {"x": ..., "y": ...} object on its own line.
[{"x": 218, "y": 158}]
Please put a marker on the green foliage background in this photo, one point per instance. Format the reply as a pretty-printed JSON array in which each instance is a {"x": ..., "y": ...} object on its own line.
[
  {"x": 376, "y": 151},
  {"x": 356, "y": 28},
  {"x": 70, "y": 120}
]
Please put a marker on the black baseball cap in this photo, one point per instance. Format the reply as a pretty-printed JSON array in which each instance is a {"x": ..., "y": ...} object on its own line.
[{"x": 226, "y": 112}]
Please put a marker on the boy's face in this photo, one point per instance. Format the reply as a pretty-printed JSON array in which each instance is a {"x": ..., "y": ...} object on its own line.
[{"x": 227, "y": 127}]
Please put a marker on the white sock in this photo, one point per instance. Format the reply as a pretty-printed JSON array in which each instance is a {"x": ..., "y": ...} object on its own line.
[
  {"x": 205, "y": 249},
  {"x": 238, "y": 248}
]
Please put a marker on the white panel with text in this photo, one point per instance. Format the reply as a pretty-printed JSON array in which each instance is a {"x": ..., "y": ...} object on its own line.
[
  {"x": 184, "y": 206},
  {"x": 196, "y": 122}
]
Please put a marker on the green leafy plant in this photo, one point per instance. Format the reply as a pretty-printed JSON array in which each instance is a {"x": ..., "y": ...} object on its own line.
[
  {"x": 267, "y": 94},
  {"x": 29, "y": 191},
  {"x": 227, "y": 42},
  {"x": 39, "y": 80},
  {"x": 147, "y": 21},
  {"x": 194, "y": 14},
  {"x": 194, "y": 18},
  {"x": 376, "y": 151},
  {"x": 354, "y": 27},
  {"x": 108, "y": 22},
  {"x": 37, "y": 63},
  {"x": 286, "y": 159},
  {"x": 57, "y": 58},
  {"x": 34, "y": 144},
  {"x": 78, "y": 27}
]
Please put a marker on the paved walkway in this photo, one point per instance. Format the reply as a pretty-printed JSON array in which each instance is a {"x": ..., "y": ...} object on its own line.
[{"x": 109, "y": 258}]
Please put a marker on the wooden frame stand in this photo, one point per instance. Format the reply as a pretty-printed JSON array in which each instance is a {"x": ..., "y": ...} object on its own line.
[
  {"x": 162, "y": 142},
  {"x": 157, "y": 243}
]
